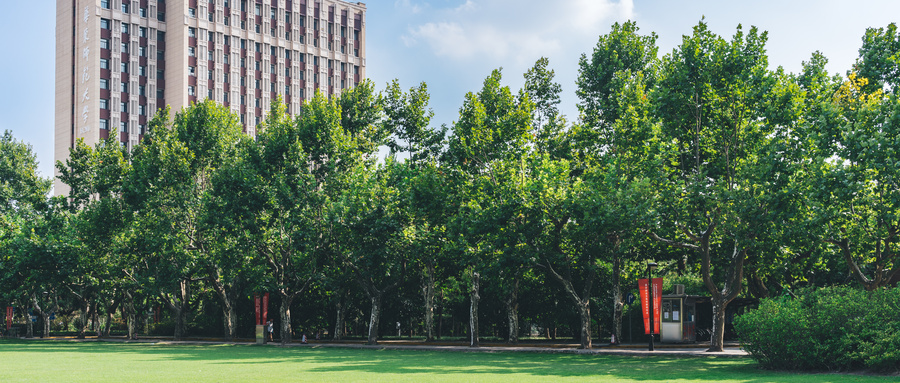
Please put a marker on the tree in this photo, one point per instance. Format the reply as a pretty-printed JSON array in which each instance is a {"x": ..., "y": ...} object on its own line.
[
  {"x": 856, "y": 189},
  {"x": 622, "y": 49},
  {"x": 879, "y": 59},
  {"x": 493, "y": 127},
  {"x": 718, "y": 147},
  {"x": 612, "y": 143},
  {"x": 172, "y": 173},
  {"x": 23, "y": 208}
]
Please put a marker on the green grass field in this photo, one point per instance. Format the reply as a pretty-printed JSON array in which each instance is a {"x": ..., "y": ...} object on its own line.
[{"x": 60, "y": 361}]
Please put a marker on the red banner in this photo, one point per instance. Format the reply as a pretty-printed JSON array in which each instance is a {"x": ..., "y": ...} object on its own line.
[
  {"x": 256, "y": 304},
  {"x": 265, "y": 308},
  {"x": 657, "y": 303},
  {"x": 9, "y": 317}
]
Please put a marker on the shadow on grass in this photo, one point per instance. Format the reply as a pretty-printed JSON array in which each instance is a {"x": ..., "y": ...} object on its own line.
[{"x": 386, "y": 363}]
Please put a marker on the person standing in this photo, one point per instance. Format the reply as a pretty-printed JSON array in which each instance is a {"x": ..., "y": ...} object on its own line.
[{"x": 270, "y": 328}]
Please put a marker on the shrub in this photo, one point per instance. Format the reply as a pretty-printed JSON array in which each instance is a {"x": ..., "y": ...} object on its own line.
[{"x": 835, "y": 328}]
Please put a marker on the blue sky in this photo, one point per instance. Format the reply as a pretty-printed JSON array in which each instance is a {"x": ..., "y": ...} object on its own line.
[{"x": 452, "y": 45}]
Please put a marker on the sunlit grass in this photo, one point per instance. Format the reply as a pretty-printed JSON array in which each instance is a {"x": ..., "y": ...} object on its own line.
[{"x": 44, "y": 361}]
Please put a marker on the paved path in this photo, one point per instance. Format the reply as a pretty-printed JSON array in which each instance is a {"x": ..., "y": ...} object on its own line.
[{"x": 699, "y": 350}]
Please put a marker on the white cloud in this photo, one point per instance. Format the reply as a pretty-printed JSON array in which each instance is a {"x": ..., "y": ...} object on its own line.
[
  {"x": 513, "y": 30},
  {"x": 408, "y": 5}
]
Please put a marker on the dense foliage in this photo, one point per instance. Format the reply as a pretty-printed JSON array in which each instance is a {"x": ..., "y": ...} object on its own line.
[
  {"x": 834, "y": 328},
  {"x": 739, "y": 179}
]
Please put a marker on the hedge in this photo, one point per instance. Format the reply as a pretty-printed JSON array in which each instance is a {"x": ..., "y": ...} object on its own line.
[{"x": 837, "y": 328}]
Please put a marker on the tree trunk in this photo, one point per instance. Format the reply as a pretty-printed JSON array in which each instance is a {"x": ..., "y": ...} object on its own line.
[
  {"x": 717, "y": 339},
  {"x": 285, "y": 312},
  {"x": 341, "y": 306},
  {"x": 95, "y": 319},
  {"x": 474, "y": 297},
  {"x": 29, "y": 325},
  {"x": 428, "y": 295},
  {"x": 512, "y": 312},
  {"x": 617, "y": 301},
  {"x": 585, "y": 310},
  {"x": 228, "y": 312},
  {"x": 129, "y": 313},
  {"x": 85, "y": 316},
  {"x": 178, "y": 306},
  {"x": 376, "y": 316}
]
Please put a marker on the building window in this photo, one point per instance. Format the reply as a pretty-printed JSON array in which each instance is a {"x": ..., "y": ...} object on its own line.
[
  {"x": 104, "y": 83},
  {"x": 160, "y": 93},
  {"x": 104, "y": 104},
  {"x": 212, "y": 36},
  {"x": 191, "y": 51},
  {"x": 143, "y": 12},
  {"x": 124, "y": 67},
  {"x": 212, "y": 17},
  {"x": 104, "y": 43},
  {"x": 161, "y": 36},
  {"x": 192, "y": 12},
  {"x": 141, "y": 89},
  {"x": 258, "y": 10},
  {"x": 104, "y": 124},
  {"x": 124, "y": 125},
  {"x": 123, "y": 107},
  {"x": 192, "y": 32},
  {"x": 142, "y": 51},
  {"x": 142, "y": 110},
  {"x": 161, "y": 16},
  {"x": 142, "y": 71},
  {"x": 190, "y": 90},
  {"x": 104, "y": 24},
  {"x": 192, "y": 71},
  {"x": 123, "y": 87},
  {"x": 125, "y": 28},
  {"x": 124, "y": 7},
  {"x": 124, "y": 47},
  {"x": 104, "y": 64},
  {"x": 226, "y": 21},
  {"x": 104, "y": 4},
  {"x": 143, "y": 32}
]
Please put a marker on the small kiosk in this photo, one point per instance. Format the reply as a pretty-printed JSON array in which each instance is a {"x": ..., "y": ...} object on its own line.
[{"x": 679, "y": 317}]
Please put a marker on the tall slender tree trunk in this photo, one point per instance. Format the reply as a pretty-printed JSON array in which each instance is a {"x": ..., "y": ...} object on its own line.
[
  {"x": 428, "y": 295},
  {"x": 375, "y": 317},
  {"x": 474, "y": 298},
  {"x": 341, "y": 305},
  {"x": 86, "y": 308},
  {"x": 228, "y": 311},
  {"x": 584, "y": 309},
  {"x": 178, "y": 305},
  {"x": 512, "y": 312},
  {"x": 29, "y": 326},
  {"x": 129, "y": 313},
  {"x": 617, "y": 299},
  {"x": 285, "y": 312},
  {"x": 95, "y": 319}
]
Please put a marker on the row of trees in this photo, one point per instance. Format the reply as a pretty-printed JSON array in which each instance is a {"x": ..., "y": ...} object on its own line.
[{"x": 754, "y": 180}]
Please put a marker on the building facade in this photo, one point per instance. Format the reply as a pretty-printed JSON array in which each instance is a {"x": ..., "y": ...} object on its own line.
[{"x": 119, "y": 61}]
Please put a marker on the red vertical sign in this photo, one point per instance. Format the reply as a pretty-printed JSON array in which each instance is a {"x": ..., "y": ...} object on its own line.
[
  {"x": 256, "y": 304},
  {"x": 645, "y": 305},
  {"x": 265, "y": 308},
  {"x": 9, "y": 316}
]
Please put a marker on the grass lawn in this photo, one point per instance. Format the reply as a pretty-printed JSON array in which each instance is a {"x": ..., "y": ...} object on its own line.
[{"x": 59, "y": 361}]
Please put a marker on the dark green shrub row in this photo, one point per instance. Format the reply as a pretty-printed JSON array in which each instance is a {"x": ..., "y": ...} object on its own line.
[{"x": 826, "y": 329}]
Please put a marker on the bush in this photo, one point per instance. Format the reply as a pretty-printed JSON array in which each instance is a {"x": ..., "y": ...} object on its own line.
[{"x": 826, "y": 329}]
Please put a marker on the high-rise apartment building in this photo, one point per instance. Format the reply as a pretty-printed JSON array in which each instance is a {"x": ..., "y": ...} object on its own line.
[{"x": 119, "y": 61}]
